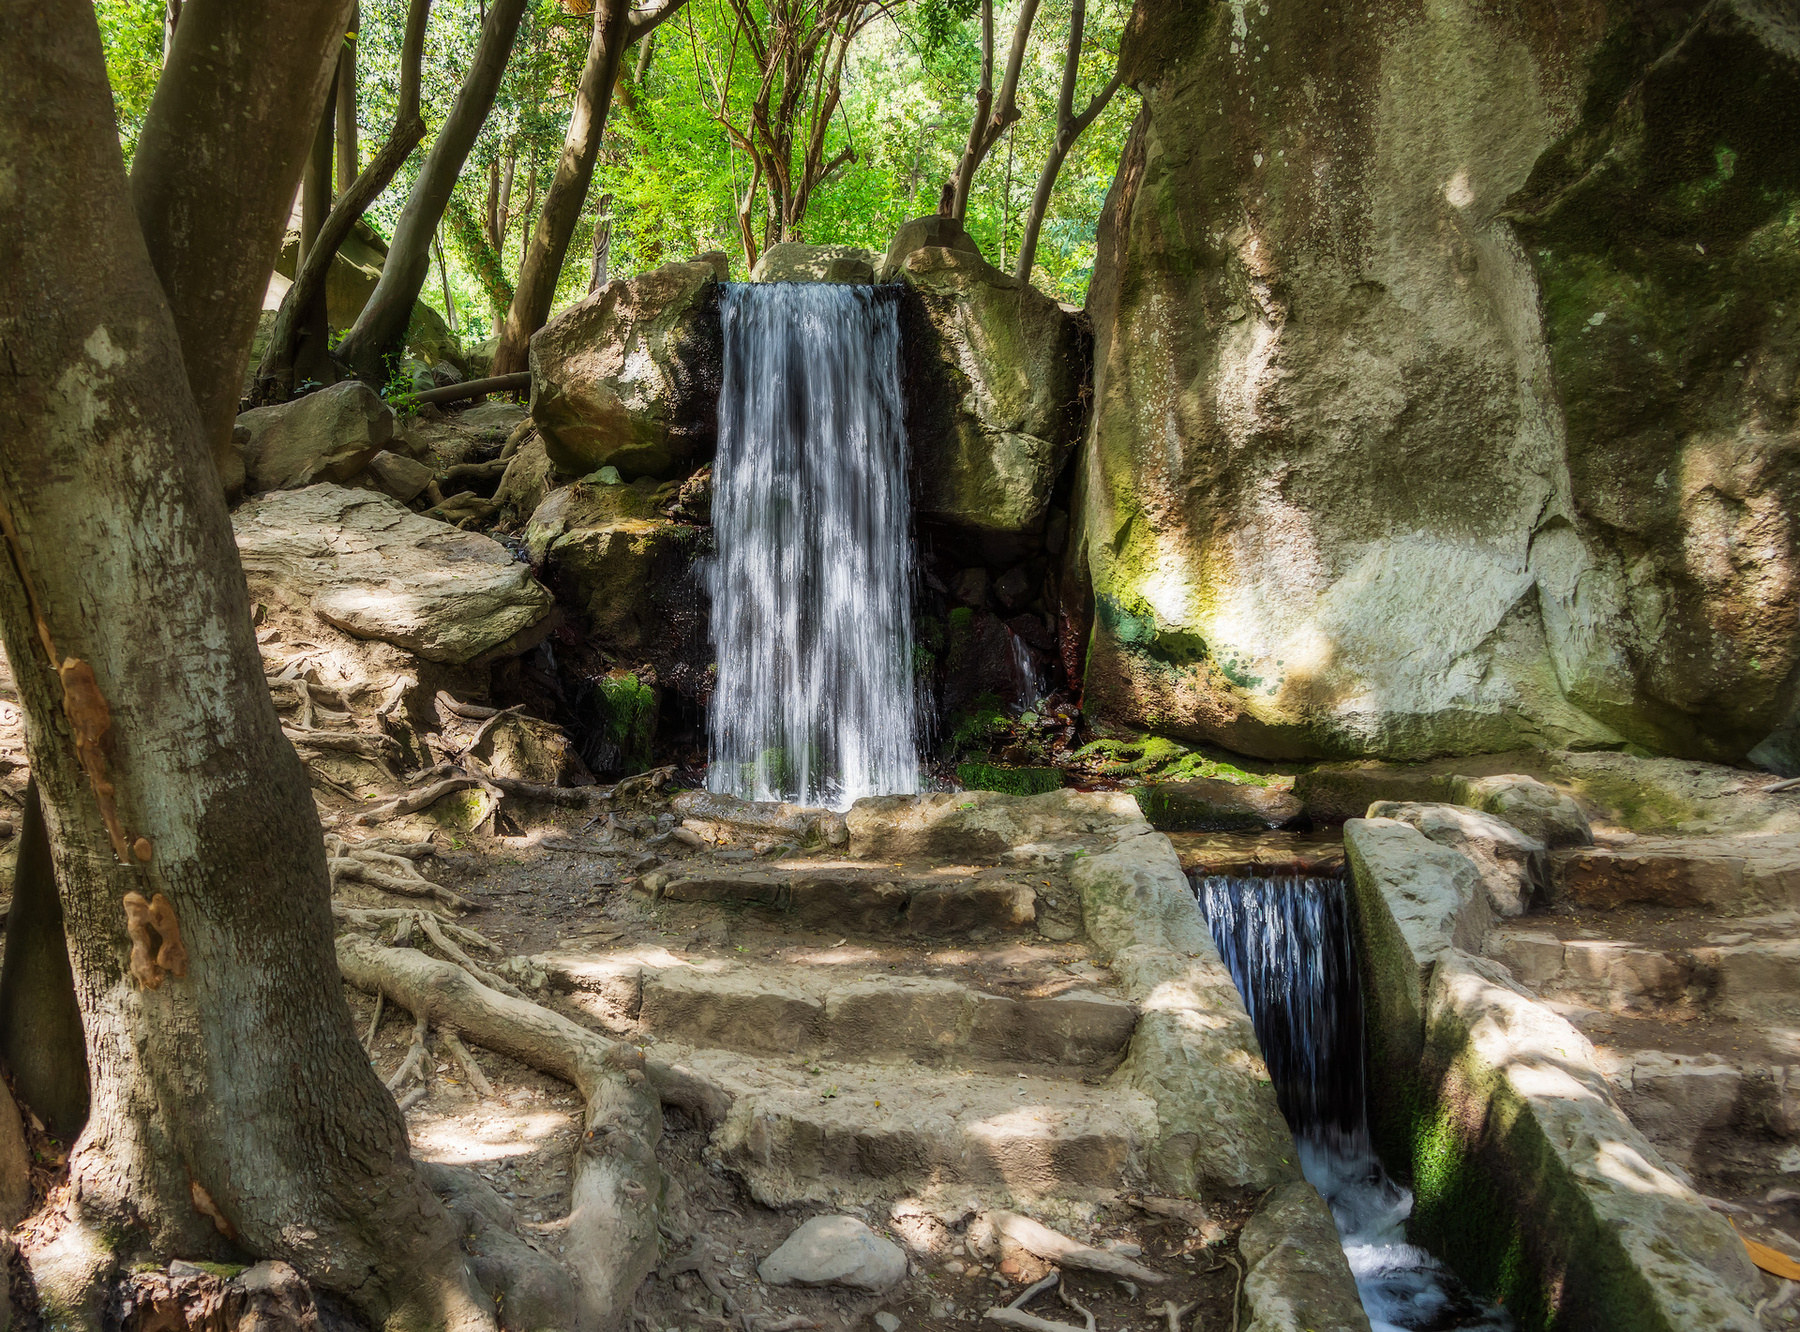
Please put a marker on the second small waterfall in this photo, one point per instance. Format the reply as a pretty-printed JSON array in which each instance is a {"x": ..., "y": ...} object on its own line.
[{"x": 811, "y": 585}]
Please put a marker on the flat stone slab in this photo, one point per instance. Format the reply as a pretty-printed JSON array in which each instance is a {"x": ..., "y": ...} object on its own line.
[
  {"x": 867, "y": 902},
  {"x": 374, "y": 569},
  {"x": 835, "y": 1251},
  {"x": 1731, "y": 875}
]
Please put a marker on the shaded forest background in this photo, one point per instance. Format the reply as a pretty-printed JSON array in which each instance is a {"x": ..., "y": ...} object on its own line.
[{"x": 669, "y": 176}]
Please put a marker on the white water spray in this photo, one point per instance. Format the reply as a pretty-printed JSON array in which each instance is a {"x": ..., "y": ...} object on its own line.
[
  {"x": 811, "y": 585},
  {"x": 1286, "y": 943}
]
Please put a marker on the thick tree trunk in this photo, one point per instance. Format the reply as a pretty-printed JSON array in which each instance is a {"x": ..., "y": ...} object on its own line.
[
  {"x": 234, "y": 1110},
  {"x": 312, "y": 357},
  {"x": 211, "y": 213},
  {"x": 380, "y": 329},
  {"x": 349, "y": 161},
  {"x": 567, "y": 195},
  {"x": 40, "y": 1022}
]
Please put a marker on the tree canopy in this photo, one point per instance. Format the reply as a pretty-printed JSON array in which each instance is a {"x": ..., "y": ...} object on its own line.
[{"x": 669, "y": 175}]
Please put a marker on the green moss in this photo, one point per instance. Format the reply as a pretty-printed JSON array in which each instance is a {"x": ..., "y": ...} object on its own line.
[
  {"x": 1633, "y": 804},
  {"x": 1010, "y": 781}
]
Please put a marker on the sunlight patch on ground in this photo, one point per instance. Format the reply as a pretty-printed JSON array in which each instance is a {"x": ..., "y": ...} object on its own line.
[{"x": 487, "y": 1136}]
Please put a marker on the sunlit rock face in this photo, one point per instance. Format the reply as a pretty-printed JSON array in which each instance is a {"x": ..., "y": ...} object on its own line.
[{"x": 1445, "y": 380}]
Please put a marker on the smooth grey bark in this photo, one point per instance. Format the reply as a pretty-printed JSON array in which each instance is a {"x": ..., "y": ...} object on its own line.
[
  {"x": 602, "y": 244},
  {"x": 212, "y": 214},
  {"x": 234, "y": 1110},
  {"x": 380, "y": 329},
  {"x": 1069, "y": 127},
  {"x": 40, "y": 1022}
]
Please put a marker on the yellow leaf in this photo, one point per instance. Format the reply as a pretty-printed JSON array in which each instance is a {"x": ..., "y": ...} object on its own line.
[{"x": 1773, "y": 1261}]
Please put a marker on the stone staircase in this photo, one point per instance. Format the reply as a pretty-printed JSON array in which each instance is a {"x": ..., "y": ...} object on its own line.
[
  {"x": 928, "y": 1029},
  {"x": 1680, "y": 960}
]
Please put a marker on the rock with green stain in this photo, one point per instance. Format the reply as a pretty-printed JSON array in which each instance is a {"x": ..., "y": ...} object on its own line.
[
  {"x": 1449, "y": 408},
  {"x": 629, "y": 377},
  {"x": 1205, "y": 804},
  {"x": 1000, "y": 370},
  {"x": 623, "y": 714}
]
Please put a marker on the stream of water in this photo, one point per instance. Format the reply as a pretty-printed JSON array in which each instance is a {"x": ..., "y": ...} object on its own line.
[
  {"x": 811, "y": 582},
  {"x": 1287, "y": 944}
]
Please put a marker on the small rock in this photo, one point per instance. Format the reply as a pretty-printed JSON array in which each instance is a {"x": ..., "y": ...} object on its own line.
[
  {"x": 687, "y": 837},
  {"x": 398, "y": 475},
  {"x": 943, "y": 1308},
  {"x": 887, "y": 1322},
  {"x": 835, "y": 1251},
  {"x": 181, "y": 1267},
  {"x": 645, "y": 863}
]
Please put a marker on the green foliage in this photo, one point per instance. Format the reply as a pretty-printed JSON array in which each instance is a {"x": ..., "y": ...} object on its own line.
[
  {"x": 1157, "y": 758},
  {"x": 982, "y": 721},
  {"x": 1010, "y": 781},
  {"x": 131, "y": 35},
  {"x": 625, "y": 710}
]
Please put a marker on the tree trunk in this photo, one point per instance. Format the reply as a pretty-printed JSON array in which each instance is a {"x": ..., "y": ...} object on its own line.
[
  {"x": 40, "y": 1023},
  {"x": 602, "y": 244},
  {"x": 525, "y": 214},
  {"x": 1069, "y": 127},
  {"x": 444, "y": 278},
  {"x": 171, "y": 16},
  {"x": 212, "y": 213},
  {"x": 381, "y": 328},
  {"x": 349, "y": 160},
  {"x": 312, "y": 357},
  {"x": 480, "y": 258},
  {"x": 567, "y": 195},
  {"x": 985, "y": 130},
  {"x": 275, "y": 376},
  {"x": 234, "y": 1110}
]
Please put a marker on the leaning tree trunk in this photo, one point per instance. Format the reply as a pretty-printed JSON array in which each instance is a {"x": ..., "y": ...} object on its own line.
[
  {"x": 234, "y": 1111},
  {"x": 312, "y": 358},
  {"x": 211, "y": 213},
  {"x": 349, "y": 158},
  {"x": 568, "y": 191},
  {"x": 381, "y": 327}
]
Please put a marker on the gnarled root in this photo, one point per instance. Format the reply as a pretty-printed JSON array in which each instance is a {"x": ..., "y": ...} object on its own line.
[
  {"x": 618, "y": 1185},
  {"x": 387, "y": 865}
]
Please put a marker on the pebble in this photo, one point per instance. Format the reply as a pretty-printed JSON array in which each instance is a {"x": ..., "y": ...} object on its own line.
[{"x": 835, "y": 1251}]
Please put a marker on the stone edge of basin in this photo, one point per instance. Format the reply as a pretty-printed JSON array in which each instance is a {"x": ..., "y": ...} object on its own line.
[
  {"x": 1195, "y": 1054},
  {"x": 1495, "y": 1100}
]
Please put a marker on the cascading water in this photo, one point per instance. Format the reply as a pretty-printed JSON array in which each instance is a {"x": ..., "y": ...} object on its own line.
[
  {"x": 1028, "y": 683},
  {"x": 811, "y": 583},
  {"x": 1286, "y": 942}
]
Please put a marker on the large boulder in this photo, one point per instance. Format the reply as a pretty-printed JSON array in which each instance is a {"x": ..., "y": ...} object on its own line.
[
  {"x": 1443, "y": 392},
  {"x": 997, "y": 372},
  {"x": 630, "y": 575},
  {"x": 790, "y": 261},
  {"x": 933, "y": 230},
  {"x": 373, "y": 569},
  {"x": 629, "y": 377},
  {"x": 330, "y": 435}
]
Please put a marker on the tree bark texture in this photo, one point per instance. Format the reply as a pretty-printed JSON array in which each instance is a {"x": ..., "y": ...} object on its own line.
[
  {"x": 567, "y": 195},
  {"x": 602, "y": 244},
  {"x": 381, "y": 328},
  {"x": 349, "y": 160},
  {"x": 234, "y": 1111},
  {"x": 211, "y": 213},
  {"x": 40, "y": 1022}
]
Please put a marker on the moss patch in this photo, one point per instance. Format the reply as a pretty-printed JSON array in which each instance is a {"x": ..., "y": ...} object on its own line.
[{"x": 1009, "y": 781}]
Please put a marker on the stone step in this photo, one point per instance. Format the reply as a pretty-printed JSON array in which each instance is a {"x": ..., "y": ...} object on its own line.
[
  {"x": 1750, "y": 974},
  {"x": 827, "y": 1132},
  {"x": 1704, "y": 1109},
  {"x": 880, "y": 1018},
  {"x": 1727, "y": 875},
  {"x": 878, "y": 901}
]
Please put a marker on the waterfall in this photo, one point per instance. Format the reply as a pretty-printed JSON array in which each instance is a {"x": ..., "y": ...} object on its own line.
[
  {"x": 1287, "y": 944},
  {"x": 1028, "y": 683},
  {"x": 811, "y": 581}
]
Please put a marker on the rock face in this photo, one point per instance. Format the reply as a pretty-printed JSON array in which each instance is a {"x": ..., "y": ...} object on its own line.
[
  {"x": 943, "y": 233},
  {"x": 791, "y": 261},
  {"x": 330, "y": 435},
  {"x": 1447, "y": 405},
  {"x": 1511, "y": 866},
  {"x": 629, "y": 573},
  {"x": 629, "y": 377},
  {"x": 375, "y": 570},
  {"x": 995, "y": 372}
]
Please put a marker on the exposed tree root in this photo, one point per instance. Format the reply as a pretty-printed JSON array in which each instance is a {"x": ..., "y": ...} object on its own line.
[
  {"x": 618, "y": 1184},
  {"x": 389, "y": 871},
  {"x": 417, "y": 800}
]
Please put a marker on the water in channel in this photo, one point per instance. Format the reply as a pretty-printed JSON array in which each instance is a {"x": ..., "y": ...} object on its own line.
[
  {"x": 1287, "y": 944},
  {"x": 811, "y": 580}
]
